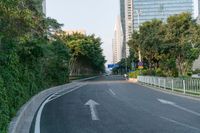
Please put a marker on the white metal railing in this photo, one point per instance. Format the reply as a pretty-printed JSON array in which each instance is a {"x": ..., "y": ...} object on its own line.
[{"x": 189, "y": 85}]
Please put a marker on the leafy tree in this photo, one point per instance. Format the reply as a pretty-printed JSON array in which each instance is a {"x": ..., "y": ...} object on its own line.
[
  {"x": 170, "y": 47},
  {"x": 182, "y": 31},
  {"x": 86, "y": 53}
]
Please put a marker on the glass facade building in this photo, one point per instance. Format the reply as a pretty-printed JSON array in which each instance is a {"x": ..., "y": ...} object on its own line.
[
  {"x": 146, "y": 10},
  {"x": 122, "y": 17},
  {"x": 40, "y": 5},
  {"x": 126, "y": 14}
]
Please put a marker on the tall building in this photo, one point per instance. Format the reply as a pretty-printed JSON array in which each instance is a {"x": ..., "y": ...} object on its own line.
[
  {"x": 40, "y": 5},
  {"x": 196, "y": 64},
  {"x": 162, "y": 9},
  {"x": 44, "y": 7},
  {"x": 126, "y": 13},
  {"x": 117, "y": 41}
]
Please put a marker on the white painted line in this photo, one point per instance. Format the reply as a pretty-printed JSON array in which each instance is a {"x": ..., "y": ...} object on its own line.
[
  {"x": 51, "y": 98},
  {"x": 112, "y": 92},
  {"x": 179, "y": 107},
  {"x": 181, "y": 124},
  {"x": 166, "y": 102},
  {"x": 187, "y": 110},
  {"x": 57, "y": 96},
  {"x": 38, "y": 117},
  {"x": 92, "y": 104}
]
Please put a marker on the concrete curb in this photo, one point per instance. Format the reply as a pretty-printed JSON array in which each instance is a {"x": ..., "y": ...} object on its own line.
[
  {"x": 21, "y": 123},
  {"x": 80, "y": 80}
]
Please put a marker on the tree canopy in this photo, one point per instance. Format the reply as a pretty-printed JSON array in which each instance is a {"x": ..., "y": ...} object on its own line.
[
  {"x": 170, "y": 47},
  {"x": 34, "y": 57}
]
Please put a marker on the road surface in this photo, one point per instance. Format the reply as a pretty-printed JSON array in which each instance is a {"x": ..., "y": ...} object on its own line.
[{"x": 110, "y": 104}]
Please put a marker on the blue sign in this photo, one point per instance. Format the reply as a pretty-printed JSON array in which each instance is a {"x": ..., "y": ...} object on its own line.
[
  {"x": 111, "y": 66},
  {"x": 140, "y": 63}
]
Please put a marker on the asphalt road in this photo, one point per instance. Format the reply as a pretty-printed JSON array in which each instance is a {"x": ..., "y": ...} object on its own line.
[{"x": 110, "y": 104}]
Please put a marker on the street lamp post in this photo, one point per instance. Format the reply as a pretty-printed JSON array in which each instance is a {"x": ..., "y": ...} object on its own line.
[{"x": 138, "y": 12}]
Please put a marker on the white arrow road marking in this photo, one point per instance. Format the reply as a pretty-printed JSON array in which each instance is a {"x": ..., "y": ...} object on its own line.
[
  {"x": 51, "y": 98},
  {"x": 166, "y": 102},
  {"x": 111, "y": 91},
  {"x": 179, "y": 107},
  {"x": 92, "y": 104},
  {"x": 179, "y": 123}
]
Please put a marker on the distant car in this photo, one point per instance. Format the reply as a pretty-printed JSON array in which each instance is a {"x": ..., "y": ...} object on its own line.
[
  {"x": 196, "y": 75},
  {"x": 107, "y": 74}
]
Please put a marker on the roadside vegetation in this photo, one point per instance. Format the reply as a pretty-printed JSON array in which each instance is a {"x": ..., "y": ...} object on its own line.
[
  {"x": 167, "y": 48},
  {"x": 34, "y": 55}
]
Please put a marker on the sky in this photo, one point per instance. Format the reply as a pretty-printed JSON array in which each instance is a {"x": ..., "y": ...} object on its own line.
[{"x": 95, "y": 16}]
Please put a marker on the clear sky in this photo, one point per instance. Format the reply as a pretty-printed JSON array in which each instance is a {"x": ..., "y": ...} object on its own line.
[{"x": 95, "y": 16}]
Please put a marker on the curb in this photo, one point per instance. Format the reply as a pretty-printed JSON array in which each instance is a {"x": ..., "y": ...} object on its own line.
[
  {"x": 85, "y": 79},
  {"x": 21, "y": 123}
]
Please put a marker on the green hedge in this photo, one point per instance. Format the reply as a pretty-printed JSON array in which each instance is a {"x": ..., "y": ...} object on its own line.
[
  {"x": 134, "y": 74},
  {"x": 27, "y": 69}
]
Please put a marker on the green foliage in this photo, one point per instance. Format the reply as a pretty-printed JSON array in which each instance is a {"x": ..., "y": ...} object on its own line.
[
  {"x": 27, "y": 69},
  {"x": 134, "y": 74},
  {"x": 197, "y": 71},
  {"x": 169, "y": 47},
  {"x": 34, "y": 55},
  {"x": 4, "y": 109},
  {"x": 87, "y": 54},
  {"x": 25, "y": 58}
]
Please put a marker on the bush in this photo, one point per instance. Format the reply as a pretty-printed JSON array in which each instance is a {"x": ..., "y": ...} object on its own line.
[
  {"x": 4, "y": 109},
  {"x": 197, "y": 71},
  {"x": 149, "y": 72},
  {"x": 134, "y": 74},
  {"x": 27, "y": 69}
]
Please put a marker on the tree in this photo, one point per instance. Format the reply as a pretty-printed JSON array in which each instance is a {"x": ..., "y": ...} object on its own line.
[
  {"x": 172, "y": 46},
  {"x": 182, "y": 31},
  {"x": 86, "y": 53},
  {"x": 30, "y": 59},
  {"x": 148, "y": 41}
]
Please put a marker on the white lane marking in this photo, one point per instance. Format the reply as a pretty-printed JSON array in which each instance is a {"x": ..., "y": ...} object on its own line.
[
  {"x": 112, "y": 92},
  {"x": 179, "y": 123},
  {"x": 166, "y": 102},
  {"x": 38, "y": 117},
  {"x": 57, "y": 96},
  {"x": 187, "y": 110},
  {"x": 92, "y": 104},
  {"x": 52, "y": 97},
  {"x": 179, "y": 107}
]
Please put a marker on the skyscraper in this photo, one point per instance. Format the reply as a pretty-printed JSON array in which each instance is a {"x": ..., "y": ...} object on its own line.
[
  {"x": 162, "y": 9},
  {"x": 40, "y": 5},
  {"x": 44, "y": 7},
  {"x": 196, "y": 64},
  {"x": 117, "y": 41},
  {"x": 126, "y": 12}
]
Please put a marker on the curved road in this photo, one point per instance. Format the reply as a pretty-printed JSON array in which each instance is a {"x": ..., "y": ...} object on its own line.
[{"x": 112, "y": 105}]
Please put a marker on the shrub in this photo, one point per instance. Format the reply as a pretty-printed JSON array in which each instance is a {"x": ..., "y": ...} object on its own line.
[
  {"x": 27, "y": 69},
  {"x": 134, "y": 74}
]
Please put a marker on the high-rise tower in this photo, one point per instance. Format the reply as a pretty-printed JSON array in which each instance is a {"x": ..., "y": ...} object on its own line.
[
  {"x": 44, "y": 7},
  {"x": 117, "y": 41},
  {"x": 126, "y": 13},
  {"x": 162, "y": 9},
  {"x": 40, "y": 5}
]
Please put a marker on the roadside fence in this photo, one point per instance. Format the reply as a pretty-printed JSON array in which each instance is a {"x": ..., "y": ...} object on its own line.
[{"x": 190, "y": 85}]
